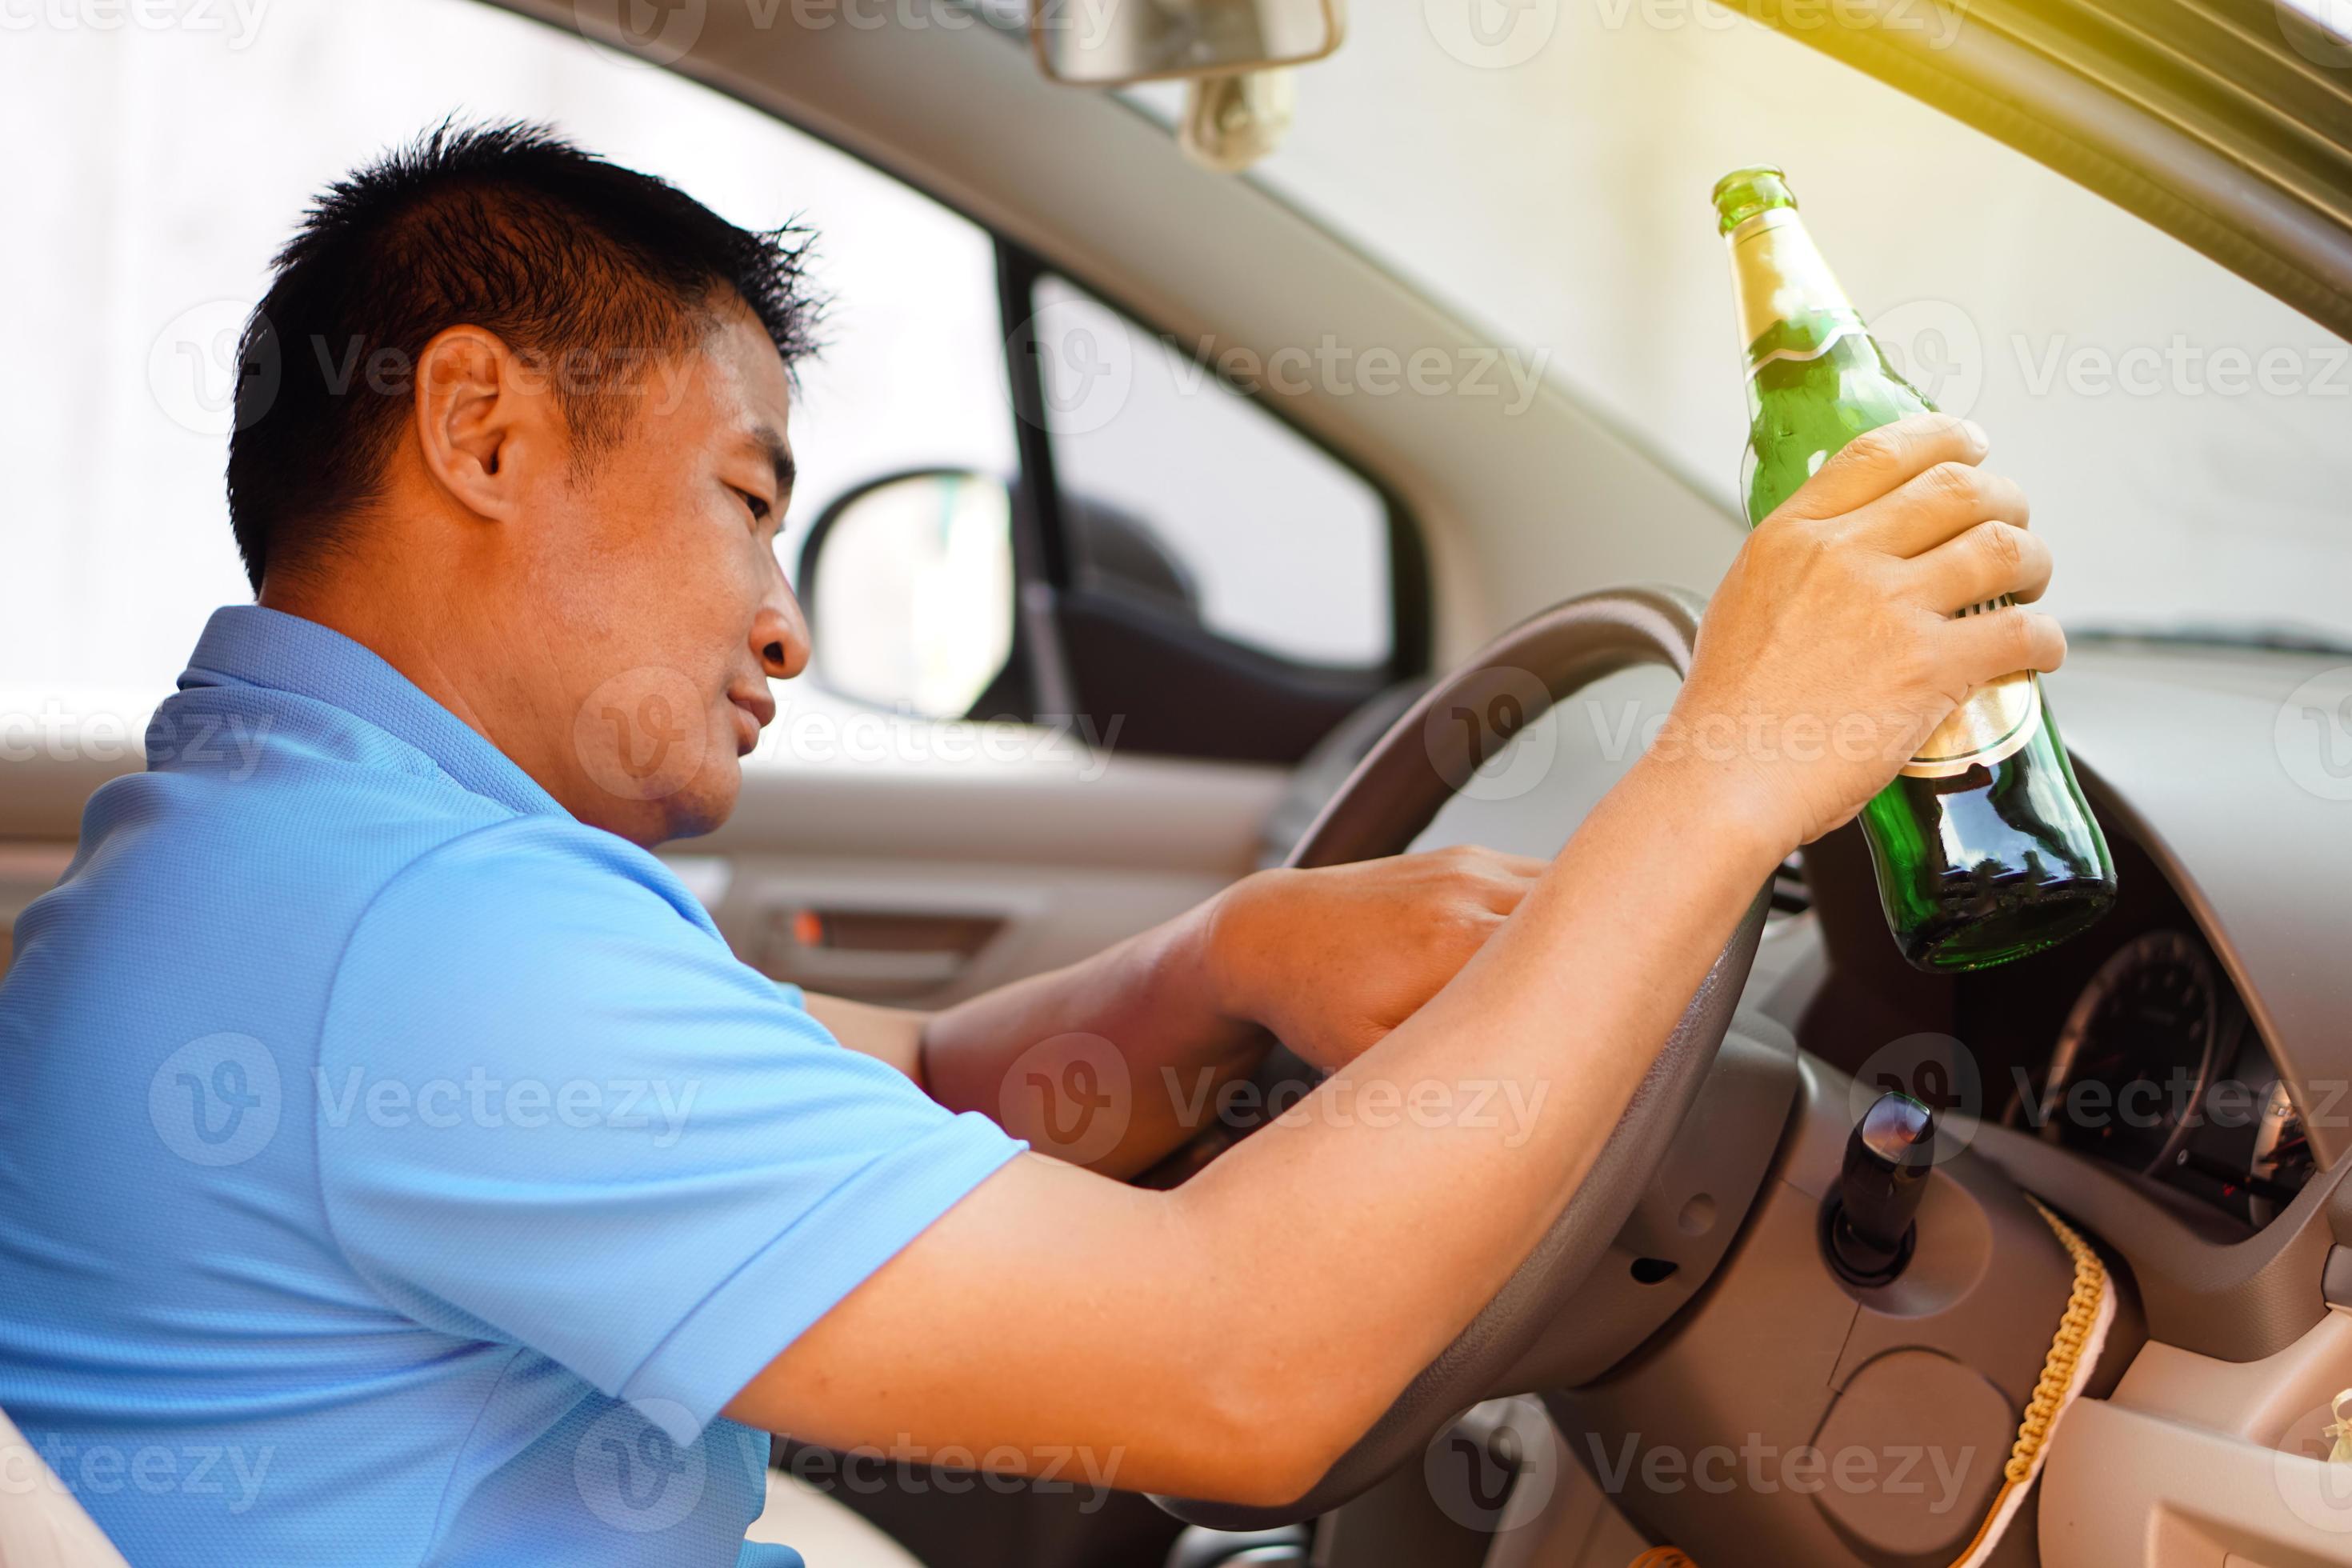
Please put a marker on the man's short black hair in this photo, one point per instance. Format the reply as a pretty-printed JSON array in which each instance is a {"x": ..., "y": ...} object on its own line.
[{"x": 594, "y": 271}]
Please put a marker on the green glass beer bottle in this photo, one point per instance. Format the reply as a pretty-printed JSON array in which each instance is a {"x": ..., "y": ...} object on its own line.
[{"x": 1984, "y": 847}]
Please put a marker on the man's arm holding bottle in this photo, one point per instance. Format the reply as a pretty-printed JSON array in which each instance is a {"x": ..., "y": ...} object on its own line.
[{"x": 1233, "y": 1337}]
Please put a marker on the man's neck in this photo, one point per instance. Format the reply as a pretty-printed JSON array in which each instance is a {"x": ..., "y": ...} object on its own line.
[{"x": 385, "y": 622}]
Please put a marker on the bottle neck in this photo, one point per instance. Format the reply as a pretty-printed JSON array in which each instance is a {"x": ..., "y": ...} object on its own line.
[{"x": 1790, "y": 304}]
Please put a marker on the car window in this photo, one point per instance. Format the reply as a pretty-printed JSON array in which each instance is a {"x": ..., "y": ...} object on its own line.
[
  {"x": 169, "y": 182},
  {"x": 1176, "y": 487}
]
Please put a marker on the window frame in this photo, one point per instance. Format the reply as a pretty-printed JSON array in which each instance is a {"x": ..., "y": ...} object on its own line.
[{"x": 1044, "y": 557}]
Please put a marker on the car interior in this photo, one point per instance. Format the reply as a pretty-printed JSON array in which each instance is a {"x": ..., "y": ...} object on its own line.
[{"x": 1324, "y": 452}]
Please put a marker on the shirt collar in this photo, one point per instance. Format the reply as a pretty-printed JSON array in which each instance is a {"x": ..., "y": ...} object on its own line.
[{"x": 249, "y": 646}]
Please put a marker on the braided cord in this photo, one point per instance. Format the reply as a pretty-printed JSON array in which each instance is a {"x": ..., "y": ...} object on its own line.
[{"x": 2065, "y": 1355}]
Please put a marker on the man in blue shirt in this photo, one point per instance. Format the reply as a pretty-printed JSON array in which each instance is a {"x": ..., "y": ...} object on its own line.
[{"x": 397, "y": 1166}]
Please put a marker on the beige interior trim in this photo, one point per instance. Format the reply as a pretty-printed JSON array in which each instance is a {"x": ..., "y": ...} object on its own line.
[
  {"x": 1136, "y": 812},
  {"x": 2207, "y": 1463},
  {"x": 41, "y": 1525},
  {"x": 2259, "y": 1401}
]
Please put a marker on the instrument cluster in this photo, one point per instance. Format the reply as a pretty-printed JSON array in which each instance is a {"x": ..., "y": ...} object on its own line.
[{"x": 2158, "y": 1069}]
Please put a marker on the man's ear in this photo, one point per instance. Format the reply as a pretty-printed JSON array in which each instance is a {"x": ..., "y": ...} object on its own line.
[{"x": 487, "y": 427}]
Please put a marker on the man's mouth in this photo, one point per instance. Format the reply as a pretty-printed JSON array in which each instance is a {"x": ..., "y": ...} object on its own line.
[{"x": 754, "y": 710}]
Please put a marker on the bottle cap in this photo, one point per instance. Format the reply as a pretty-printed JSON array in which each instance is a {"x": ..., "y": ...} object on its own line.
[{"x": 1743, "y": 193}]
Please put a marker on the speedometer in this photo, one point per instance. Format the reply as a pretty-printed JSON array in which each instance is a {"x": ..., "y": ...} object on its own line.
[{"x": 2136, "y": 1057}]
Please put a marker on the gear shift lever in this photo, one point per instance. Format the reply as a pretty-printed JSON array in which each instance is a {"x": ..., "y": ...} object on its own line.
[{"x": 1888, "y": 1160}]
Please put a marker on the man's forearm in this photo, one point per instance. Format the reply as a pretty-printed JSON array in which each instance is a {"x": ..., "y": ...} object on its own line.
[
  {"x": 1559, "y": 1016},
  {"x": 1138, "y": 1023},
  {"x": 1100, "y": 1060}
]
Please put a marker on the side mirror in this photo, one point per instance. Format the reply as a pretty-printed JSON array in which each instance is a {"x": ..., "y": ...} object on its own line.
[
  {"x": 1108, "y": 43},
  {"x": 908, "y": 584}
]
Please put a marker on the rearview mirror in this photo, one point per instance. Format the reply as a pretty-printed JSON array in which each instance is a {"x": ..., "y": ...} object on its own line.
[
  {"x": 1108, "y": 43},
  {"x": 908, "y": 583}
]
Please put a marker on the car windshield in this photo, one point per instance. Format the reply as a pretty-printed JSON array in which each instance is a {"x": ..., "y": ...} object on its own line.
[{"x": 1544, "y": 170}]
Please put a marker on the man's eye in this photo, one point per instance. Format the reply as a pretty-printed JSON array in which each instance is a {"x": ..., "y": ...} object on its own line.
[{"x": 760, "y": 509}]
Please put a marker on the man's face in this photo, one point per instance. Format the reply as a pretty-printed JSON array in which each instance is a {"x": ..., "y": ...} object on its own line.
[{"x": 670, "y": 605}]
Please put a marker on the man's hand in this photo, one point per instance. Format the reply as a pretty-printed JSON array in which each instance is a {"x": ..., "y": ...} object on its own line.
[
  {"x": 1831, "y": 649},
  {"x": 1150, "y": 1031},
  {"x": 1330, "y": 960}
]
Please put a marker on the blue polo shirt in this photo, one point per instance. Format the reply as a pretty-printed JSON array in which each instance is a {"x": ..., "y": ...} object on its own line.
[{"x": 394, "y": 1169}]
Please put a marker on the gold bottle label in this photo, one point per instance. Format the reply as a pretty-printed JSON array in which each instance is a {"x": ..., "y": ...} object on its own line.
[
  {"x": 1991, "y": 724},
  {"x": 1778, "y": 272}
]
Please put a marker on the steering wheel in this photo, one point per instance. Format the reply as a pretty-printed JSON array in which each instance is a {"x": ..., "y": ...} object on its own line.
[{"x": 1392, "y": 795}]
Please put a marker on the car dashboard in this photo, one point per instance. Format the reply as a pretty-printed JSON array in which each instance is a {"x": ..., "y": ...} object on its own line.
[
  {"x": 2168, "y": 1044},
  {"x": 2132, "y": 1046}
]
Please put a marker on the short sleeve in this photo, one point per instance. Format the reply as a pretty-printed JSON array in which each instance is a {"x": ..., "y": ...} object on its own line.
[{"x": 554, "y": 1109}]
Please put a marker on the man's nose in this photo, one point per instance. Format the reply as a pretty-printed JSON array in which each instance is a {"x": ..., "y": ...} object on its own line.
[{"x": 780, "y": 636}]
